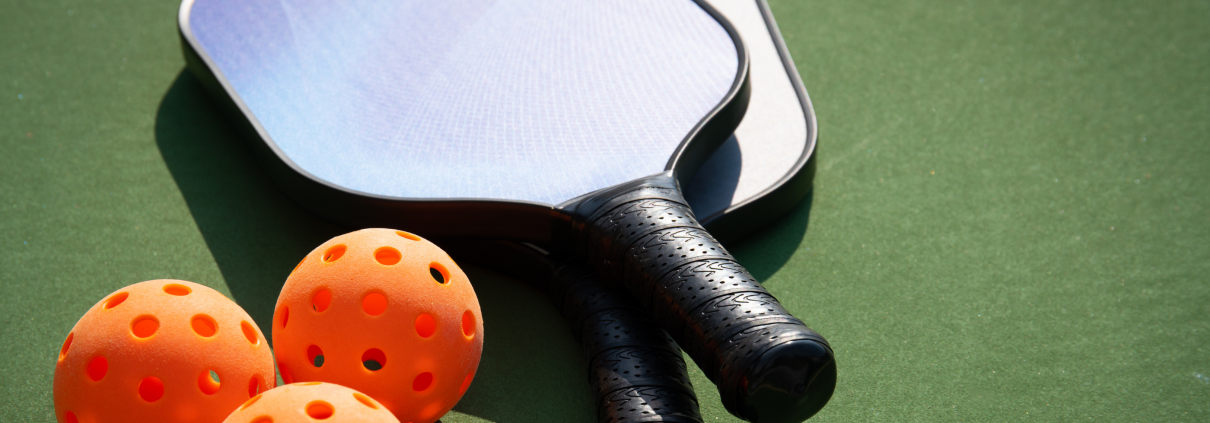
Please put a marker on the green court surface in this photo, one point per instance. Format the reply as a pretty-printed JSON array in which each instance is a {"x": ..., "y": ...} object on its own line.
[{"x": 1011, "y": 217}]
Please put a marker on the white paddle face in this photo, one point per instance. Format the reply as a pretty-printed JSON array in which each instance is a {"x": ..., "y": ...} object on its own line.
[{"x": 521, "y": 100}]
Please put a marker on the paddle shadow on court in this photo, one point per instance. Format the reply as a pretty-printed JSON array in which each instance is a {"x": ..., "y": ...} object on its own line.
[
  {"x": 767, "y": 250},
  {"x": 531, "y": 368}
]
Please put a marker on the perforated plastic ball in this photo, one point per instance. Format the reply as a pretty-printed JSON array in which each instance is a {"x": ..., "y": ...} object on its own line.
[
  {"x": 161, "y": 351},
  {"x": 310, "y": 402},
  {"x": 386, "y": 313}
]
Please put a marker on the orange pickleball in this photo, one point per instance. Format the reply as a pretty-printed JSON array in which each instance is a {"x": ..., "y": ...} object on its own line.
[
  {"x": 311, "y": 402},
  {"x": 383, "y": 312},
  {"x": 161, "y": 351}
]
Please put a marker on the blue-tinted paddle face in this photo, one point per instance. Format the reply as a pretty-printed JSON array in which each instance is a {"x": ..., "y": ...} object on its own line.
[{"x": 512, "y": 99}]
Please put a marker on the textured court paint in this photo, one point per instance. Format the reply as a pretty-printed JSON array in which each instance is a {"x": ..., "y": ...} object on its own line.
[
  {"x": 1011, "y": 217},
  {"x": 517, "y": 100},
  {"x": 114, "y": 172}
]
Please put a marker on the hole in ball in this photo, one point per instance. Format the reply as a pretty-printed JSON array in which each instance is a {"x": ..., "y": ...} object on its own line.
[
  {"x": 468, "y": 324},
  {"x": 249, "y": 333},
  {"x": 285, "y": 316},
  {"x": 208, "y": 382},
  {"x": 321, "y": 300},
  {"x": 144, "y": 326},
  {"x": 116, "y": 299},
  {"x": 70, "y": 417},
  {"x": 177, "y": 289},
  {"x": 373, "y": 359},
  {"x": 97, "y": 368},
  {"x": 320, "y": 410},
  {"x": 250, "y": 401},
  {"x": 439, "y": 273},
  {"x": 374, "y": 303},
  {"x": 387, "y": 256},
  {"x": 66, "y": 345},
  {"x": 315, "y": 356},
  {"x": 407, "y": 235},
  {"x": 423, "y": 381},
  {"x": 365, "y": 400},
  {"x": 254, "y": 386},
  {"x": 204, "y": 325},
  {"x": 466, "y": 383},
  {"x": 334, "y": 253},
  {"x": 425, "y": 325},
  {"x": 300, "y": 262},
  {"x": 151, "y": 389}
]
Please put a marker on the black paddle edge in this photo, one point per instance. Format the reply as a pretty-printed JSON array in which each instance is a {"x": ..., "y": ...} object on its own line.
[
  {"x": 740, "y": 220},
  {"x": 718, "y": 125},
  {"x": 441, "y": 217}
]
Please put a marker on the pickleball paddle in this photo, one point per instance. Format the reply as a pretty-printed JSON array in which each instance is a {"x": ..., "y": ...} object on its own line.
[
  {"x": 635, "y": 370},
  {"x": 561, "y": 123}
]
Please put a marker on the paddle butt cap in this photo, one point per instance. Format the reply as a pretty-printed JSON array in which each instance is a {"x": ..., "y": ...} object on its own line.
[{"x": 789, "y": 383}]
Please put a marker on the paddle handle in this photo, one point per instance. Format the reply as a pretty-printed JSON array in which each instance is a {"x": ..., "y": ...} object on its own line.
[
  {"x": 768, "y": 366},
  {"x": 635, "y": 369}
]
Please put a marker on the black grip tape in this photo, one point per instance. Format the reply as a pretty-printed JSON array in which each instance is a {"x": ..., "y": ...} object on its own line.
[
  {"x": 626, "y": 367},
  {"x": 646, "y": 236},
  {"x": 682, "y": 292},
  {"x": 622, "y": 327},
  {"x": 648, "y": 404},
  {"x": 635, "y": 369}
]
